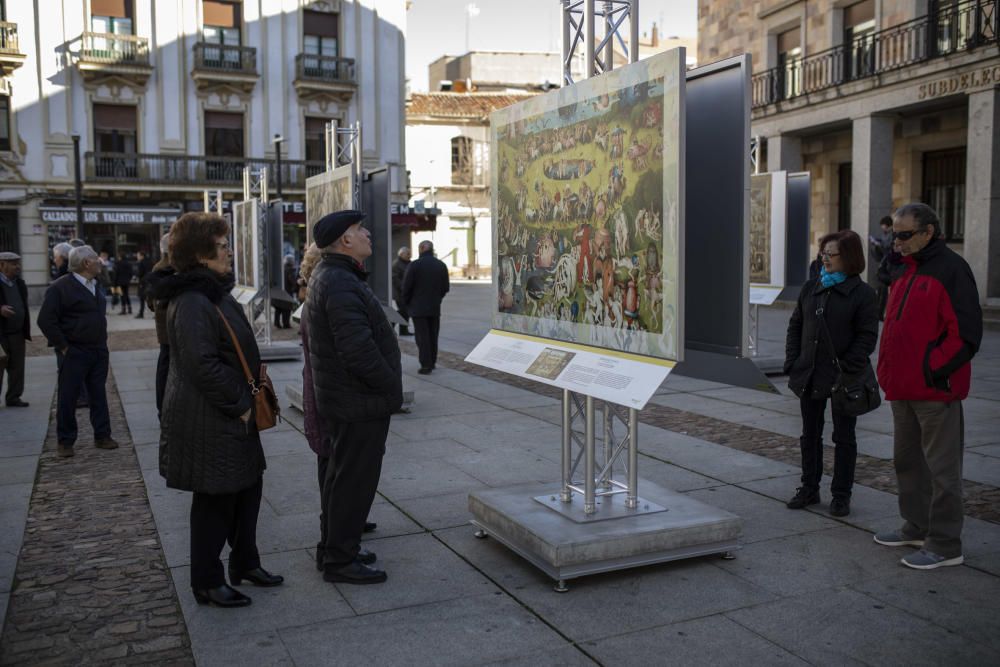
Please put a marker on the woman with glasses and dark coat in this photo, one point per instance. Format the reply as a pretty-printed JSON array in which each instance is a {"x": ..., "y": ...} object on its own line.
[
  {"x": 209, "y": 443},
  {"x": 850, "y": 314}
]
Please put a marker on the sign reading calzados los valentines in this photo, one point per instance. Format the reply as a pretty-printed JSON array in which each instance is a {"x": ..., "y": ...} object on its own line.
[{"x": 110, "y": 216}]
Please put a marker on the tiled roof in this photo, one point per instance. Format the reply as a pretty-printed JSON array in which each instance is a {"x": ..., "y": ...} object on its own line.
[{"x": 460, "y": 105}]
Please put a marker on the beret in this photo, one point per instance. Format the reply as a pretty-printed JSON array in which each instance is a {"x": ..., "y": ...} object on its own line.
[{"x": 331, "y": 227}]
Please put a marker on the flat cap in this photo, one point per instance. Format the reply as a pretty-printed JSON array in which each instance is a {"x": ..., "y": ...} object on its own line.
[
  {"x": 9, "y": 257},
  {"x": 331, "y": 227}
]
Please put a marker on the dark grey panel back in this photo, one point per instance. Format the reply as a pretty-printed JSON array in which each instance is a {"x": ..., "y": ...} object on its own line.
[
  {"x": 718, "y": 176},
  {"x": 274, "y": 244},
  {"x": 375, "y": 196},
  {"x": 797, "y": 240}
]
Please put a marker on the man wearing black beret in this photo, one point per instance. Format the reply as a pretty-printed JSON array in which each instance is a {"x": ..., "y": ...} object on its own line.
[{"x": 358, "y": 384}]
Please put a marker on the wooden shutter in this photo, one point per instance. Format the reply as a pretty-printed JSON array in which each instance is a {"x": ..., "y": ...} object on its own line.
[
  {"x": 321, "y": 24},
  {"x": 218, "y": 120},
  {"x": 859, "y": 13},
  {"x": 119, "y": 9},
  {"x": 220, "y": 14},
  {"x": 110, "y": 117}
]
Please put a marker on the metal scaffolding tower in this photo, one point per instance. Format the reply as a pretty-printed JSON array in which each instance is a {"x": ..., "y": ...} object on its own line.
[{"x": 579, "y": 29}]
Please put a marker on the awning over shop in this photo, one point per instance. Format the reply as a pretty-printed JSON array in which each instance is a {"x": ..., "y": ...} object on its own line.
[{"x": 110, "y": 215}]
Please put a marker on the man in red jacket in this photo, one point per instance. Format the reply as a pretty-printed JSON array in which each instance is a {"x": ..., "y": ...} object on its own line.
[{"x": 933, "y": 327}]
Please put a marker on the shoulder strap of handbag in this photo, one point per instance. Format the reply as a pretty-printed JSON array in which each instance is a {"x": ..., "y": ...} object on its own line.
[
  {"x": 239, "y": 353},
  {"x": 822, "y": 324}
]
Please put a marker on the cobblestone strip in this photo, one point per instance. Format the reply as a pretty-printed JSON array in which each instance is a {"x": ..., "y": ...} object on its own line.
[
  {"x": 92, "y": 584},
  {"x": 982, "y": 501}
]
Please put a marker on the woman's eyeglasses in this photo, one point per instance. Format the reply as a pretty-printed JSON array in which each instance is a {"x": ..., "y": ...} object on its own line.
[{"x": 829, "y": 255}]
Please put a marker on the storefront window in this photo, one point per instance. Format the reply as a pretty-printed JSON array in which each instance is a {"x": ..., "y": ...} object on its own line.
[{"x": 944, "y": 190}]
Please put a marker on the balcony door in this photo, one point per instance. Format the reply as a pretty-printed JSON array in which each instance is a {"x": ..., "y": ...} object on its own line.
[
  {"x": 859, "y": 39},
  {"x": 115, "y": 141},
  {"x": 789, "y": 80},
  {"x": 320, "y": 44},
  {"x": 221, "y": 20},
  {"x": 224, "y": 139},
  {"x": 944, "y": 190},
  {"x": 315, "y": 134},
  {"x": 110, "y": 17}
]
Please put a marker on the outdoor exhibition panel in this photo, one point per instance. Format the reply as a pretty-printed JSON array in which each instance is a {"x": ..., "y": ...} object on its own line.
[
  {"x": 768, "y": 216},
  {"x": 327, "y": 193},
  {"x": 797, "y": 257},
  {"x": 246, "y": 250}
]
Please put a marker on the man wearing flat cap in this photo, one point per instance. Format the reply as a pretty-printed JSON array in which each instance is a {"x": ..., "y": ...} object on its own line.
[
  {"x": 15, "y": 326},
  {"x": 357, "y": 379}
]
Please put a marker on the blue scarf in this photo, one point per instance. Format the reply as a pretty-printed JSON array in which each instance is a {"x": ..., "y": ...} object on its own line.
[{"x": 831, "y": 279}]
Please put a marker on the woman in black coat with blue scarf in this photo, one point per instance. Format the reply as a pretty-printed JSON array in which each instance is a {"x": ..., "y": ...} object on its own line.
[
  {"x": 209, "y": 443},
  {"x": 836, "y": 312}
]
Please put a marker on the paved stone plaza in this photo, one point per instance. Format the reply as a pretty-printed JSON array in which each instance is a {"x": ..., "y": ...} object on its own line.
[{"x": 90, "y": 570}]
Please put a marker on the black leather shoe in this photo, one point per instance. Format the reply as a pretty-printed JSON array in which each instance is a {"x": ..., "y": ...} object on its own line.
[
  {"x": 840, "y": 506},
  {"x": 424, "y": 371},
  {"x": 106, "y": 443},
  {"x": 370, "y": 527},
  {"x": 802, "y": 498},
  {"x": 258, "y": 577},
  {"x": 17, "y": 403},
  {"x": 353, "y": 573},
  {"x": 364, "y": 556},
  {"x": 223, "y": 596}
]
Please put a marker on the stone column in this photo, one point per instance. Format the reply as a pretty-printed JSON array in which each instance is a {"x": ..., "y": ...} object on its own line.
[
  {"x": 784, "y": 153},
  {"x": 982, "y": 192},
  {"x": 871, "y": 181}
]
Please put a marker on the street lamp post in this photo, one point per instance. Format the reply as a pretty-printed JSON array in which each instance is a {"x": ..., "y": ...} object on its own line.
[
  {"x": 78, "y": 186},
  {"x": 277, "y": 152}
]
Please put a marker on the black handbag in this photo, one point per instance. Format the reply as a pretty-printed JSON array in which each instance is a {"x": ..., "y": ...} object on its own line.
[{"x": 853, "y": 394}]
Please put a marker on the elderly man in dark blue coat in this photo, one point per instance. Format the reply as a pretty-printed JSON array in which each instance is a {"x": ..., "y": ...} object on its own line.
[{"x": 358, "y": 385}]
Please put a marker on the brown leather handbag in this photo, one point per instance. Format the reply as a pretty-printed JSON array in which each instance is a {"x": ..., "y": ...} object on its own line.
[{"x": 266, "y": 410}]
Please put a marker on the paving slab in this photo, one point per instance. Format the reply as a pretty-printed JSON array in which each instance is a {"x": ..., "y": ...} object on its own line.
[
  {"x": 18, "y": 470},
  {"x": 437, "y": 512},
  {"x": 845, "y": 627},
  {"x": 260, "y": 649},
  {"x": 703, "y": 641},
  {"x": 458, "y": 632},
  {"x": 568, "y": 656},
  {"x": 763, "y": 518},
  {"x": 613, "y": 603},
  {"x": 979, "y": 467},
  {"x": 415, "y": 478}
]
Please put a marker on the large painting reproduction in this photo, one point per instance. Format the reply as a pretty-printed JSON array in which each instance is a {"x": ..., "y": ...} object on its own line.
[
  {"x": 246, "y": 253},
  {"x": 588, "y": 211},
  {"x": 326, "y": 193},
  {"x": 760, "y": 229}
]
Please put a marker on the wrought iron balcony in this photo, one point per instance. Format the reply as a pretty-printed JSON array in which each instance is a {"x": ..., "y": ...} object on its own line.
[
  {"x": 216, "y": 64},
  {"x": 188, "y": 171},
  {"x": 324, "y": 74},
  {"x": 107, "y": 54},
  {"x": 951, "y": 29},
  {"x": 10, "y": 53}
]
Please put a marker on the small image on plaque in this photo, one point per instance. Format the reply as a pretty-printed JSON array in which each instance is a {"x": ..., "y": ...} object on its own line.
[{"x": 550, "y": 363}]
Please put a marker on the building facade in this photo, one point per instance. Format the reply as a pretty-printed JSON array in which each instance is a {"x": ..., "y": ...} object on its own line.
[
  {"x": 883, "y": 102},
  {"x": 170, "y": 100}
]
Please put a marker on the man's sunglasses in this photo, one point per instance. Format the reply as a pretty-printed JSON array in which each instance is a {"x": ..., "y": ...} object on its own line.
[{"x": 907, "y": 235}]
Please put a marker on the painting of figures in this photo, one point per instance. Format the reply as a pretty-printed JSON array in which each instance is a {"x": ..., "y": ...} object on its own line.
[
  {"x": 760, "y": 229},
  {"x": 588, "y": 211},
  {"x": 326, "y": 193},
  {"x": 245, "y": 251}
]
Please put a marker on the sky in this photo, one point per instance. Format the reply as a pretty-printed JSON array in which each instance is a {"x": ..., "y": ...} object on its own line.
[{"x": 438, "y": 27}]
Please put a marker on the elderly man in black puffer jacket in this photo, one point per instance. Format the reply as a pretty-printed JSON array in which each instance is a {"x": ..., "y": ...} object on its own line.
[{"x": 358, "y": 384}]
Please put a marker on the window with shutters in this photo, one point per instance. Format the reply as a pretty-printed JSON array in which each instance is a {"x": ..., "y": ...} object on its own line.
[
  {"x": 320, "y": 44},
  {"x": 115, "y": 140},
  {"x": 112, "y": 16},
  {"x": 859, "y": 39},
  {"x": 944, "y": 190},
  {"x": 789, "y": 63},
  {"x": 221, "y": 21},
  {"x": 224, "y": 138},
  {"x": 315, "y": 133}
]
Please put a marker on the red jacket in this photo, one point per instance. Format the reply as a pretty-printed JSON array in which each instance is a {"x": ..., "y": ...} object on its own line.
[{"x": 933, "y": 327}]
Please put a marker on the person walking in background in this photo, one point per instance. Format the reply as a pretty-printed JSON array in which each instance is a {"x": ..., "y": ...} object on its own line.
[
  {"x": 835, "y": 322},
  {"x": 105, "y": 279},
  {"x": 312, "y": 424},
  {"x": 60, "y": 259},
  {"x": 424, "y": 287},
  {"x": 143, "y": 265},
  {"x": 73, "y": 319},
  {"x": 15, "y": 326},
  {"x": 357, "y": 377},
  {"x": 161, "y": 270},
  {"x": 933, "y": 329},
  {"x": 123, "y": 281},
  {"x": 209, "y": 443},
  {"x": 283, "y": 309},
  {"x": 880, "y": 248},
  {"x": 399, "y": 266}
]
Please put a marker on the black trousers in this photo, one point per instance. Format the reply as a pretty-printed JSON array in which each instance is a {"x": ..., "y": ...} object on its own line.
[
  {"x": 83, "y": 367},
  {"x": 126, "y": 301},
  {"x": 282, "y": 317},
  {"x": 162, "y": 369},
  {"x": 845, "y": 453},
  {"x": 142, "y": 297},
  {"x": 425, "y": 330},
  {"x": 321, "y": 464},
  {"x": 13, "y": 346},
  {"x": 349, "y": 486},
  {"x": 217, "y": 519}
]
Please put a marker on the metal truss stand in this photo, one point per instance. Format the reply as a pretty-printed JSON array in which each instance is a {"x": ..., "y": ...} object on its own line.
[
  {"x": 212, "y": 200},
  {"x": 255, "y": 188},
  {"x": 753, "y": 338},
  {"x": 343, "y": 146},
  {"x": 580, "y": 19}
]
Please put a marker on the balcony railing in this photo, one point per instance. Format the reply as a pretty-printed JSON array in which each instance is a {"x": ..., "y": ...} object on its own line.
[
  {"x": 325, "y": 69},
  {"x": 189, "y": 170},
  {"x": 8, "y": 38},
  {"x": 225, "y": 58},
  {"x": 106, "y": 48},
  {"x": 951, "y": 29}
]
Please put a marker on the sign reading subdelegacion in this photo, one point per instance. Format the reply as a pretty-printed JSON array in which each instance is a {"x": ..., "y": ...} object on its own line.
[{"x": 625, "y": 379}]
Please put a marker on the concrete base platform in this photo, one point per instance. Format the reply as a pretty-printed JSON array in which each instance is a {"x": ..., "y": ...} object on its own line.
[
  {"x": 565, "y": 549},
  {"x": 294, "y": 393},
  {"x": 281, "y": 351},
  {"x": 769, "y": 365}
]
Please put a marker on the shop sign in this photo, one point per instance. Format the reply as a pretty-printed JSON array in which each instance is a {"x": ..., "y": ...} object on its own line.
[
  {"x": 110, "y": 216},
  {"x": 960, "y": 83}
]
